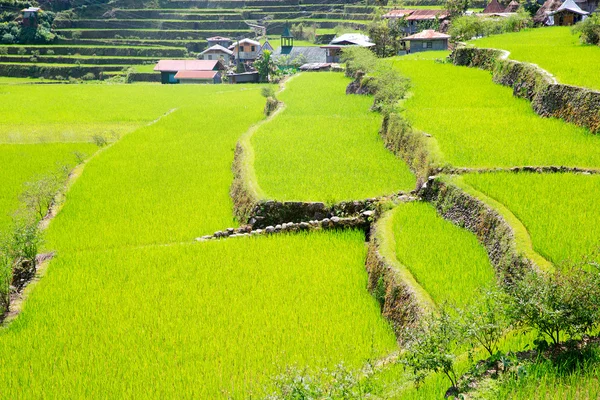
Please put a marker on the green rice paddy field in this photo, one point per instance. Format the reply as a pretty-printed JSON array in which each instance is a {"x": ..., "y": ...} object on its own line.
[
  {"x": 568, "y": 228},
  {"x": 323, "y": 143},
  {"x": 555, "y": 49},
  {"x": 132, "y": 307},
  {"x": 477, "y": 123}
]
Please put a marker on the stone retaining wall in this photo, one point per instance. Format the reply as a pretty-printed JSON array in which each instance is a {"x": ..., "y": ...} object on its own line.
[
  {"x": 549, "y": 99},
  {"x": 492, "y": 230},
  {"x": 361, "y": 221},
  {"x": 398, "y": 301}
]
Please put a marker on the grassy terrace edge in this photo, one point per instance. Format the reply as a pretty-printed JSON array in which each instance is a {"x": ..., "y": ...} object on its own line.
[{"x": 403, "y": 300}]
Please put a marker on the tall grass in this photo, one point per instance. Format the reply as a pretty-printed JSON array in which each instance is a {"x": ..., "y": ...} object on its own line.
[
  {"x": 23, "y": 163},
  {"x": 325, "y": 146},
  {"x": 478, "y": 123},
  {"x": 555, "y": 49},
  {"x": 164, "y": 183},
  {"x": 69, "y": 113},
  {"x": 560, "y": 211},
  {"x": 210, "y": 320},
  {"x": 447, "y": 261}
]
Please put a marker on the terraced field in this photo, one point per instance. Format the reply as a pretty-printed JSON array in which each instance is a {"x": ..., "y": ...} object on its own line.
[
  {"x": 476, "y": 123},
  {"x": 324, "y": 156},
  {"x": 107, "y": 41},
  {"x": 541, "y": 46}
]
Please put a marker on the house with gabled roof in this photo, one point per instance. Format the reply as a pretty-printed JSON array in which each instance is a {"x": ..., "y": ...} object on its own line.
[
  {"x": 569, "y": 13},
  {"x": 416, "y": 18},
  {"x": 427, "y": 40},
  {"x": 217, "y": 52},
  {"x": 169, "y": 68}
]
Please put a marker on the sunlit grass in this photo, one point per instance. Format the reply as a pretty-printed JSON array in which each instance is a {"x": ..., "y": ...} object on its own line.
[
  {"x": 209, "y": 320},
  {"x": 68, "y": 113},
  {"x": 560, "y": 211},
  {"x": 555, "y": 49},
  {"x": 447, "y": 261},
  {"x": 23, "y": 163},
  {"x": 325, "y": 146},
  {"x": 164, "y": 183},
  {"x": 478, "y": 123}
]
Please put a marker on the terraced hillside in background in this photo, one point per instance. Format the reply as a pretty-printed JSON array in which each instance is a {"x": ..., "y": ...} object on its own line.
[{"x": 108, "y": 40}]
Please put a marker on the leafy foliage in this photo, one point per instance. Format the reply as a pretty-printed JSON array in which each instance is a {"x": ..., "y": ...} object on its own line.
[
  {"x": 589, "y": 29},
  {"x": 433, "y": 347},
  {"x": 265, "y": 66}
]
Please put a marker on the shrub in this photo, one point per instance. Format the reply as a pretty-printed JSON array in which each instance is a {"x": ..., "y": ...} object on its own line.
[
  {"x": 50, "y": 52},
  {"x": 358, "y": 59},
  {"x": 89, "y": 76},
  {"x": 38, "y": 195},
  {"x": 432, "y": 347},
  {"x": 22, "y": 51},
  {"x": 566, "y": 301},
  {"x": 99, "y": 140},
  {"x": 3, "y": 51},
  {"x": 390, "y": 88},
  {"x": 8, "y": 38},
  {"x": 589, "y": 29}
]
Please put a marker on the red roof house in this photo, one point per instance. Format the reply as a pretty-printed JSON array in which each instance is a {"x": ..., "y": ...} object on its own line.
[{"x": 169, "y": 68}]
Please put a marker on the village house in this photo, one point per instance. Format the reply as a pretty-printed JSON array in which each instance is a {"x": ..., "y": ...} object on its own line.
[
  {"x": 218, "y": 52},
  {"x": 335, "y": 47},
  {"x": 198, "y": 77},
  {"x": 245, "y": 50},
  {"x": 307, "y": 54},
  {"x": 30, "y": 16},
  {"x": 265, "y": 46},
  {"x": 569, "y": 13},
  {"x": 427, "y": 40},
  {"x": 415, "y": 19},
  {"x": 170, "y": 68},
  {"x": 219, "y": 40}
]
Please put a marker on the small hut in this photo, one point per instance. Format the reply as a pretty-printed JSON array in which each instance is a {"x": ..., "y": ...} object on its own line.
[
  {"x": 30, "y": 16},
  {"x": 493, "y": 7},
  {"x": 512, "y": 7},
  {"x": 427, "y": 40},
  {"x": 567, "y": 14},
  {"x": 541, "y": 16}
]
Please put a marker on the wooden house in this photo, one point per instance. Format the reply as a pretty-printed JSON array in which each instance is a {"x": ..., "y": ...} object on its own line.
[
  {"x": 569, "y": 13},
  {"x": 169, "y": 68},
  {"x": 217, "y": 52},
  {"x": 416, "y": 18},
  {"x": 218, "y": 40},
  {"x": 245, "y": 50},
  {"x": 30, "y": 16},
  {"x": 427, "y": 40}
]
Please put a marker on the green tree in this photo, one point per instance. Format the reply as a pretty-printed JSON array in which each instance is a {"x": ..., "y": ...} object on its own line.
[
  {"x": 456, "y": 8},
  {"x": 265, "y": 66}
]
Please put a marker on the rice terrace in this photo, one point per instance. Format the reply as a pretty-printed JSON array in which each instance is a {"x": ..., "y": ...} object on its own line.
[{"x": 299, "y": 199}]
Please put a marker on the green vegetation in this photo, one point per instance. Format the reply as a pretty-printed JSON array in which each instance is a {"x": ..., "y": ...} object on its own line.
[
  {"x": 75, "y": 117},
  {"x": 324, "y": 146},
  {"x": 447, "y": 261},
  {"x": 478, "y": 123},
  {"x": 23, "y": 163},
  {"x": 542, "y": 47},
  {"x": 213, "y": 320},
  {"x": 568, "y": 226},
  {"x": 168, "y": 182}
]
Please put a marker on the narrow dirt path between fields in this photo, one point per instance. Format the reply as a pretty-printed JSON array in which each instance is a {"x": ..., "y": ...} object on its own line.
[{"x": 18, "y": 298}]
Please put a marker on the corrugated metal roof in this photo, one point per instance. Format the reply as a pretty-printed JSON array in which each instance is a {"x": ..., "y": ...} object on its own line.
[
  {"x": 420, "y": 15},
  {"x": 427, "y": 34},
  {"x": 188, "y": 65},
  {"x": 398, "y": 13},
  {"x": 312, "y": 54},
  {"x": 353, "y": 39},
  {"x": 218, "y": 47},
  {"x": 249, "y": 41},
  {"x": 217, "y": 38},
  {"x": 196, "y": 74}
]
